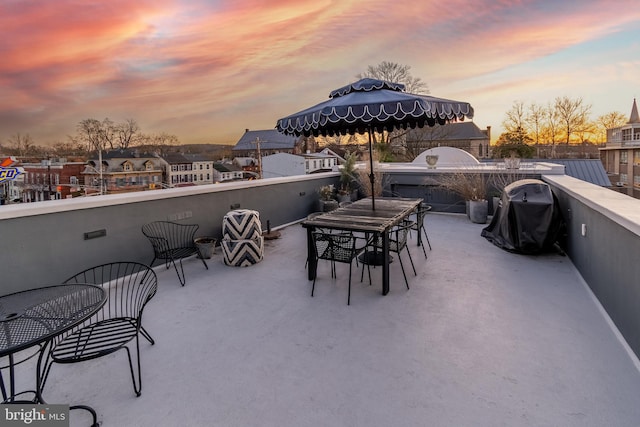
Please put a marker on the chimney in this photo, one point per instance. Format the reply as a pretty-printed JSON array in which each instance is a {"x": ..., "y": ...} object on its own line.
[{"x": 246, "y": 130}]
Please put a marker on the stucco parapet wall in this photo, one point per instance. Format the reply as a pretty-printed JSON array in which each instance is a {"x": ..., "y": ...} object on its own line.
[
  {"x": 620, "y": 208},
  {"x": 542, "y": 168},
  {"x": 92, "y": 202}
]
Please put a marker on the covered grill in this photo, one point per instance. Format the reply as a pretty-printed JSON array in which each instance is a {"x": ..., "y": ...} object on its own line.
[{"x": 527, "y": 221}]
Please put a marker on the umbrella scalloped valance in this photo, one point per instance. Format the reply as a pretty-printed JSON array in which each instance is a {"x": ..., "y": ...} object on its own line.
[
  {"x": 371, "y": 104},
  {"x": 366, "y": 85}
]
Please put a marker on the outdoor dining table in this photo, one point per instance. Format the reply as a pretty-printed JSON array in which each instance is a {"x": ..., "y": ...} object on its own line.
[
  {"x": 360, "y": 216},
  {"x": 34, "y": 317}
]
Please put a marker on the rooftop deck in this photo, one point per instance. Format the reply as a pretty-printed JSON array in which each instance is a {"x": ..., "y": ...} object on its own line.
[{"x": 483, "y": 338}]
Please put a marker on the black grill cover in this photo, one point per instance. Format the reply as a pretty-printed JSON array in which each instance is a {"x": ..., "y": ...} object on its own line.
[{"x": 528, "y": 219}]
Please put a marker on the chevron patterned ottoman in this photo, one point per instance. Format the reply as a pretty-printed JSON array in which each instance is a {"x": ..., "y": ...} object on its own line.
[{"x": 242, "y": 242}]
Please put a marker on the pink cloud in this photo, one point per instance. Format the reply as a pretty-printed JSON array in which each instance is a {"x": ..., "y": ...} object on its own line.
[{"x": 189, "y": 63}]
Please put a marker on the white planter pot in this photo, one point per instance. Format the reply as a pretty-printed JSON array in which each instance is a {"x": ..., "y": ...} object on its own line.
[
  {"x": 478, "y": 211},
  {"x": 206, "y": 246},
  {"x": 344, "y": 198},
  {"x": 431, "y": 161},
  {"x": 328, "y": 205}
]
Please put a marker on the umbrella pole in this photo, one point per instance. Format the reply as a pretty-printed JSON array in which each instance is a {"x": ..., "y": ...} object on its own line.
[{"x": 372, "y": 177}]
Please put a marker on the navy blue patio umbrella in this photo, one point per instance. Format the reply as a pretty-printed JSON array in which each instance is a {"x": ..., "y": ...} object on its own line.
[{"x": 371, "y": 105}]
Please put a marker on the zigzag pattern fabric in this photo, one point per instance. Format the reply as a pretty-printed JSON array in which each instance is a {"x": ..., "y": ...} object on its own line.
[
  {"x": 241, "y": 224},
  {"x": 243, "y": 253},
  {"x": 242, "y": 242}
]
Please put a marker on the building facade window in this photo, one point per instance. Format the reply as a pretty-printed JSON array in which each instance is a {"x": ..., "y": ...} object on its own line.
[
  {"x": 636, "y": 157},
  {"x": 624, "y": 178},
  {"x": 624, "y": 157}
]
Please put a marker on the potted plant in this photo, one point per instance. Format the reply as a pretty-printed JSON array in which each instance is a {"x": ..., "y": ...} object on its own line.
[
  {"x": 363, "y": 178},
  {"x": 347, "y": 178},
  {"x": 206, "y": 246},
  {"x": 472, "y": 186},
  {"x": 512, "y": 162},
  {"x": 327, "y": 202},
  {"x": 502, "y": 178}
]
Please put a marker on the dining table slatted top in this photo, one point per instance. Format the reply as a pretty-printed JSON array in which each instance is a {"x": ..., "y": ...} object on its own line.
[{"x": 360, "y": 216}]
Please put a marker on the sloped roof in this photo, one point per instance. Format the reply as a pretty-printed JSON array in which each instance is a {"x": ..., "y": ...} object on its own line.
[
  {"x": 124, "y": 154},
  {"x": 270, "y": 139},
  {"x": 226, "y": 167},
  {"x": 589, "y": 170},
  {"x": 175, "y": 158},
  {"x": 449, "y": 131},
  {"x": 197, "y": 157}
]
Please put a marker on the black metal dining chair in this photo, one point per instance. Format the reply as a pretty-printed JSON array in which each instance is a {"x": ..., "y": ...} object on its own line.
[
  {"x": 172, "y": 241},
  {"x": 397, "y": 242},
  {"x": 129, "y": 287},
  {"x": 419, "y": 226},
  {"x": 335, "y": 247}
]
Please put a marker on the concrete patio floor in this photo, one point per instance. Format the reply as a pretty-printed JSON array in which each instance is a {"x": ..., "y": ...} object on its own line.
[{"x": 483, "y": 338}]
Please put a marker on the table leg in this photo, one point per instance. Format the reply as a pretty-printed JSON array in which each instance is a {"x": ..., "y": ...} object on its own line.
[
  {"x": 41, "y": 376},
  {"x": 10, "y": 395},
  {"x": 385, "y": 263},
  {"x": 311, "y": 255}
]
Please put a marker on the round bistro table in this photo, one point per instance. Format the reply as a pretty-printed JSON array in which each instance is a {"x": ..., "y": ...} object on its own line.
[{"x": 35, "y": 316}]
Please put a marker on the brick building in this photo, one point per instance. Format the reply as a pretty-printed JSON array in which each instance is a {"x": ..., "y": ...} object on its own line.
[{"x": 51, "y": 179}]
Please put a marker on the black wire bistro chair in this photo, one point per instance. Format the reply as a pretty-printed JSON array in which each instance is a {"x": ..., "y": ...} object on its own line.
[
  {"x": 129, "y": 286},
  {"x": 335, "y": 247},
  {"x": 172, "y": 241}
]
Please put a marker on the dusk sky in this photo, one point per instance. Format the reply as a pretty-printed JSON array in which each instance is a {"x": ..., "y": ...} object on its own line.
[{"x": 206, "y": 70}]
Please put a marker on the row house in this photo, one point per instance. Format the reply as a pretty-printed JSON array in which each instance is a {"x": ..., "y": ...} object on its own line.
[
  {"x": 178, "y": 170},
  {"x": 256, "y": 143},
  {"x": 621, "y": 155},
  {"x": 285, "y": 164},
  {"x": 51, "y": 179},
  {"x": 120, "y": 171},
  {"x": 203, "y": 171},
  {"x": 224, "y": 172}
]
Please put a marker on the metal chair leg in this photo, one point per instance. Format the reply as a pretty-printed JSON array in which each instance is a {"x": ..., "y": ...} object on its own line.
[
  {"x": 410, "y": 259},
  {"x": 403, "y": 273},
  {"x": 181, "y": 278},
  {"x": 137, "y": 385},
  {"x": 424, "y": 251},
  {"x": 349, "y": 292},
  {"x": 426, "y": 236},
  {"x": 90, "y": 410}
]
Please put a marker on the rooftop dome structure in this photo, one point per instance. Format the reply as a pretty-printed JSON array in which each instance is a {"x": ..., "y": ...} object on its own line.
[{"x": 447, "y": 157}]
